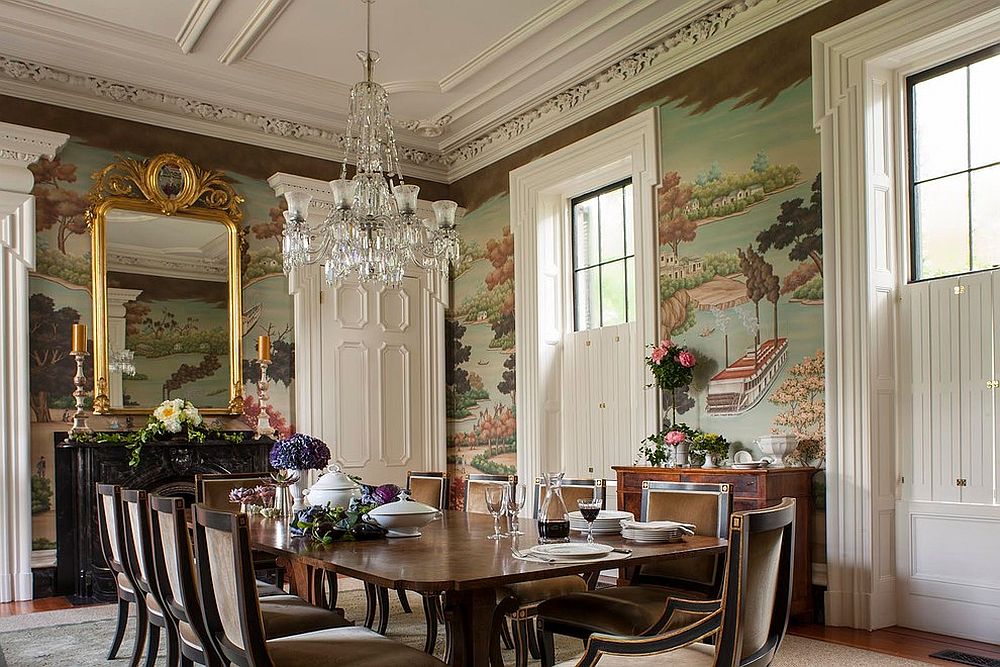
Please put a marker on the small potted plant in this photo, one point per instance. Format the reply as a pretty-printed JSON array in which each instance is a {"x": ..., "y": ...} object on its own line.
[
  {"x": 300, "y": 453},
  {"x": 676, "y": 436},
  {"x": 672, "y": 367},
  {"x": 712, "y": 446}
]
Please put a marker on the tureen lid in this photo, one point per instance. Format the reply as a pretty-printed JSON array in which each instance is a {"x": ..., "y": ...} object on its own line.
[
  {"x": 403, "y": 505},
  {"x": 335, "y": 480}
]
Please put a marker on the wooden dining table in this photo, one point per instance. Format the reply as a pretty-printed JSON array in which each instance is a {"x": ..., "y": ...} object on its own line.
[{"x": 455, "y": 558}]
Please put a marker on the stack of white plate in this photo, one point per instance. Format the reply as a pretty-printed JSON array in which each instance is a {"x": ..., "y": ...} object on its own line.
[
  {"x": 608, "y": 522},
  {"x": 655, "y": 531}
]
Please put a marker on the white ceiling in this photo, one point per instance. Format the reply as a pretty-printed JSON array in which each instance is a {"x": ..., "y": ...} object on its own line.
[{"x": 461, "y": 67}]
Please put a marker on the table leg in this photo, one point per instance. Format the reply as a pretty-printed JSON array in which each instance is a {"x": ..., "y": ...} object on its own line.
[{"x": 470, "y": 618}]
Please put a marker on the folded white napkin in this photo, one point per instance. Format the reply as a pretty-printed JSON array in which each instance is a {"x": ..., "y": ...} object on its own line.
[{"x": 632, "y": 524}]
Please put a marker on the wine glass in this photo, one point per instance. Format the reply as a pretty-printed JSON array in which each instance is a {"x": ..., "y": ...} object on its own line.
[
  {"x": 590, "y": 509},
  {"x": 514, "y": 500},
  {"x": 495, "y": 494}
]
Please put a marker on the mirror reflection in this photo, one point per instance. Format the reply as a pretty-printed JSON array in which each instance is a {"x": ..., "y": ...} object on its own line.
[{"x": 168, "y": 309}]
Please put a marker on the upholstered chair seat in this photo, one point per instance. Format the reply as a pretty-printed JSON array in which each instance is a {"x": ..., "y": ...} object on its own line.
[
  {"x": 265, "y": 589},
  {"x": 696, "y": 655},
  {"x": 345, "y": 646},
  {"x": 124, "y": 584},
  {"x": 291, "y": 615},
  {"x": 531, "y": 592},
  {"x": 625, "y": 610}
]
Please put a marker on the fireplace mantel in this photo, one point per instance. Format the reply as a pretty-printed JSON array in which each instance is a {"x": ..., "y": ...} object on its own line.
[{"x": 167, "y": 467}]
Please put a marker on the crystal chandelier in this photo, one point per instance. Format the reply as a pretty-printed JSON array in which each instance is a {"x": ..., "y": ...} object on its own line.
[{"x": 373, "y": 231}]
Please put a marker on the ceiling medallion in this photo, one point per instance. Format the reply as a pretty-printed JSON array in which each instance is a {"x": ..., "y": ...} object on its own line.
[{"x": 373, "y": 231}]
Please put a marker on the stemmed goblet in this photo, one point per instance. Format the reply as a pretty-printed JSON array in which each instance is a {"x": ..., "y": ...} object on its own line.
[
  {"x": 514, "y": 501},
  {"x": 495, "y": 495},
  {"x": 590, "y": 509}
]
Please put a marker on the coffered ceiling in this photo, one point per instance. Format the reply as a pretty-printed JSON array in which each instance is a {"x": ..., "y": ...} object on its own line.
[{"x": 470, "y": 80}]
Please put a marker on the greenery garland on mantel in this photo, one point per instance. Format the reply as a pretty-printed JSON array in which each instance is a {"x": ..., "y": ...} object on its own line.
[{"x": 173, "y": 420}]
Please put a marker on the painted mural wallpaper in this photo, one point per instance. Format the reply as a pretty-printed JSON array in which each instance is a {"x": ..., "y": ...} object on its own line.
[
  {"x": 177, "y": 331},
  {"x": 740, "y": 270}
]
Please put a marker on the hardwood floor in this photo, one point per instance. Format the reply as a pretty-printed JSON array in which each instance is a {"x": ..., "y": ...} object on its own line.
[
  {"x": 29, "y": 606},
  {"x": 896, "y": 641}
]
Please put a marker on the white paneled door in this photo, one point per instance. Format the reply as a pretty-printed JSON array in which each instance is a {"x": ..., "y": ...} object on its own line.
[{"x": 374, "y": 379}]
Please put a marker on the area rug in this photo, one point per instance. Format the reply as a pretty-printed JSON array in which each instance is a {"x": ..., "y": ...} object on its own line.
[{"x": 80, "y": 637}]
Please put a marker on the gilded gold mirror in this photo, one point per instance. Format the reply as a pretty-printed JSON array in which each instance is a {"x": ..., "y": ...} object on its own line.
[{"x": 166, "y": 245}]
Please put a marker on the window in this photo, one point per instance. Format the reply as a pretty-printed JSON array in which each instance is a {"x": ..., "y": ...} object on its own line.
[
  {"x": 955, "y": 166},
  {"x": 603, "y": 257}
]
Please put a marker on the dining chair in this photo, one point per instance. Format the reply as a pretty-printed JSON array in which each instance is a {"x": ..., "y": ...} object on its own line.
[
  {"x": 475, "y": 490},
  {"x": 519, "y": 602},
  {"x": 233, "y": 619},
  {"x": 175, "y": 570},
  {"x": 111, "y": 521},
  {"x": 139, "y": 550},
  {"x": 748, "y": 622},
  {"x": 212, "y": 490},
  {"x": 638, "y": 608}
]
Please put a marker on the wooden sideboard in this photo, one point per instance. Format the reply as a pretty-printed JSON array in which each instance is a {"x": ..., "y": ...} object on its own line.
[{"x": 752, "y": 489}]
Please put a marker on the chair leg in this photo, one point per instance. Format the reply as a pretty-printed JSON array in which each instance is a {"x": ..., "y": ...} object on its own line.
[
  {"x": 430, "y": 618},
  {"x": 371, "y": 605},
  {"x": 401, "y": 594},
  {"x": 279, "y": 577},
  {"x": 520, "y": 628},
  {"x": 505, "y": 638},
  {"x": 153, "y": 647},
  {"x": 186, "y": 661},
  {"x": 116, "y": 643},
  {"x": 533, "y": 649},
  {"x": 332, "y": 589},
  {"x": 383, "y": 610},
  {"x": 173, "y": 646},
  {"x": 141, "y": 621},
  {"x": 439, "y": 608},
  {"x": 547, "y": 646}
]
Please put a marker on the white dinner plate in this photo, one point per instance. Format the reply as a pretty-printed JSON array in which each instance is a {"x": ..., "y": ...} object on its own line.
[
  {"x": 572, "y": 550},
  {"x": 742, "y": 456},
  {"x": 605, "y": 515}
]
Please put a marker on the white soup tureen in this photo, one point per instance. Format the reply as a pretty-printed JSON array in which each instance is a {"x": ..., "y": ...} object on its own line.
[
  {"x": 404, "y": 517},
  {"x": 335, "y": 488}
]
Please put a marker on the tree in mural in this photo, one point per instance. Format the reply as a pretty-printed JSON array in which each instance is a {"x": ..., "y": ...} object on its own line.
[
  {"x": 760, "y": 162},
  {"x": 55, "y": 206},
  {"x": 282, "y": 368},
  {"x": 752, "y": 265},
  {"x": 273, "y": 227},
  {"x": 455, "y": 354},
  {"x": 500, "y": 253},
  {"x": 51, "y": 368},
  {"x": 508, "y": 381},
  {"x": 801, "y": 396},
  {"x": 798, "y": 227},
  {"x": 136, "y": 315},
  {"x": 187, "y": 373},
  {"x": 674, "y": 226},
  {"x": 798, "y": 277}
]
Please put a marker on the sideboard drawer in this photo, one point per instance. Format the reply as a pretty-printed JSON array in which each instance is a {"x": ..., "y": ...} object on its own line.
[{"x": 742, "y": 484}]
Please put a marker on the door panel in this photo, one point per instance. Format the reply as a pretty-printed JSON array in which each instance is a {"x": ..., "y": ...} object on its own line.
[
  {"x": 975, "y": 348},
  {"x": 946, "y": 382}
]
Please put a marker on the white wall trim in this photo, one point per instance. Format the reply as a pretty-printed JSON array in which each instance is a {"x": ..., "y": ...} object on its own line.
[
  {"x": 19, "y": 146},
  {"x": 306, "y": 285},
  {"x": 538, "y": 194},
  {"x": 855, "y": 108}
]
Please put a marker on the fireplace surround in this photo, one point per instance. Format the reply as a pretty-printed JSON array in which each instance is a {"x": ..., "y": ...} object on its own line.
[{"x": 166, "y": 467}]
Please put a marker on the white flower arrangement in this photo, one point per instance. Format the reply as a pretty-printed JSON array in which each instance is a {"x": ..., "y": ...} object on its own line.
[{"x": 175, "y": 414}]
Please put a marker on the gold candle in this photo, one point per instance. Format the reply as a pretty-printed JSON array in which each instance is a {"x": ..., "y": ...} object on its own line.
[
  {"x": 264, "y": 348},
  {"x": 79, "y": 337}
]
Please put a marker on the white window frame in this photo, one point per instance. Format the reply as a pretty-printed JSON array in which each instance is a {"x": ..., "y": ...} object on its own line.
[{"x": 540, "y": 217}]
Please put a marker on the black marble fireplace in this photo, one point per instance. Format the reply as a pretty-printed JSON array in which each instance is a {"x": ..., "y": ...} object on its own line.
[{"x": 166, "y": 468}]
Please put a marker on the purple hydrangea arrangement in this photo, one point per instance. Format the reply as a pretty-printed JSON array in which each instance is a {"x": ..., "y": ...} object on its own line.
[
  {"x": 379, "y": 495},
  {"x": 299, "y": 452}
]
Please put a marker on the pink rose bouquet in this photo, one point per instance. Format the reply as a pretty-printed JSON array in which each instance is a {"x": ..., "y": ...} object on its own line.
[
  {"x": 675, "y": 437},
  {"x": 671, "y": 365}
]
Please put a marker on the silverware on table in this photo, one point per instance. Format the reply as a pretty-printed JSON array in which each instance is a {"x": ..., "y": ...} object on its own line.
[
  {"x": 521, "y": 554},
  {"x": 621, "y": 550}
]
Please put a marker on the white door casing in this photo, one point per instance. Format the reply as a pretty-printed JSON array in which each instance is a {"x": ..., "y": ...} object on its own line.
[
  {"x": 349, "y": 337},
  {"x": 859, "y": 68},
  {"x": 19, "y": 147},
  {"x": 539, "y": 196}
]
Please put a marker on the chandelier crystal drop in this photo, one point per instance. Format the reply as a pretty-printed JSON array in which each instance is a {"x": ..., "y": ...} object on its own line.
[{"x": 374, "y": 230}]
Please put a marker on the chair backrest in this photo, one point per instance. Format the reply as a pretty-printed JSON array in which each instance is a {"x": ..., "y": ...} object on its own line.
[
  {"x": 138, "y": 542},
  {"x": 111, "y": 522},
  {"x": 757, "y": 595},
  {"x": 429, "y": 488},
  {"x": 475, "y": 490},
  {"x": 708, "y": 507},
  {"x": 212, "y": 490},
  {"x": 572, "y": 491},
  {"x": 173, "y": 564},
  {"x": 228, "y": 590}
]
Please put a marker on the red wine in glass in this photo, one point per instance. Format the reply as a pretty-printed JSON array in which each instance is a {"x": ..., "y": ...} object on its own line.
[{"x": 590, "y": 514}]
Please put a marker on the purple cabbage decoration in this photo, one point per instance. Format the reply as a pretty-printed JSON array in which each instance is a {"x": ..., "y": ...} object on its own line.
[
  {"x": 299, "y": 452},
  {"x": 379, "y": 495}
]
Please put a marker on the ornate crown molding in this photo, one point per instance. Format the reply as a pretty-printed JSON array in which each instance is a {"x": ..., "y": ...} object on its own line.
[
  {"x": 684, "y": 46},
  {"x": 24, "y": 145}
]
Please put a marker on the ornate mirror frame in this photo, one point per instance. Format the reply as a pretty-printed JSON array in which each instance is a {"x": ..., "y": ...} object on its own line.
[{"x": 134, "y": 185}]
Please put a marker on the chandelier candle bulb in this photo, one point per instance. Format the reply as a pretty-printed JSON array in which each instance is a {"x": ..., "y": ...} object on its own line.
[
  {"x": 344, "y": 191},
  {"x": 298, "y": 204},
  {"x": 444, "y": 212},
  {"x": 406, "y": 198},
  {"x": 264, "y": 348},
  {"x": 79, "y": 338}
]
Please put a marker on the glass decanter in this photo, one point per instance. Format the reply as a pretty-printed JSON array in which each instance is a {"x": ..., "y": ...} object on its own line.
[{"x": 553, "y": 522}]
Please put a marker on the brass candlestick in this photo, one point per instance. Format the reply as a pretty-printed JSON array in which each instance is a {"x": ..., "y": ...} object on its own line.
[
  {"x": 79, "y": 381},
  {"x": 264, "y": 428}
]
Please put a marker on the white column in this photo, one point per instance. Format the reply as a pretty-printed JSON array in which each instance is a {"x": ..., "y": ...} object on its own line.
[
  {"x": 19, "y": 147},
  {"x": 117, "y": 298}
]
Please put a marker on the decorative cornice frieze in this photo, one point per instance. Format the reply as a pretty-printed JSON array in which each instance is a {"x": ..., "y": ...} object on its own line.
[
  {"x": 24, "y": 145},
  {"x": 696, "y": 32}
]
